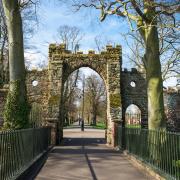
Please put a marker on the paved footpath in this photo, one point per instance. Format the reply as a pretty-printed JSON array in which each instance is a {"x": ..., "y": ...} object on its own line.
[{"x": 85, "y": 156}]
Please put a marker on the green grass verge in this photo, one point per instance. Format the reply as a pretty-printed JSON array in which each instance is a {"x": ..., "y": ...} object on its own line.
[
  {"x": 133, "y": 126},
  {"x": 99, "y": 125}
]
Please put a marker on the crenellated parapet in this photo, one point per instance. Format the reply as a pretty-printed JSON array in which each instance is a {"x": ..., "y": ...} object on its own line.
[
  {"x": 59, "y": 56},
  {"x": 58, "y": 50},
  {"x": 133, "y": 70},
  {"x": 113, "y": 50}
]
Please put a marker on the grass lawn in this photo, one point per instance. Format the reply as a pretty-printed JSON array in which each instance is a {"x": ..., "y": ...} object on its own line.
[
  {"x": 133, "y": 126},
  {"x": 100, "y": 125}
]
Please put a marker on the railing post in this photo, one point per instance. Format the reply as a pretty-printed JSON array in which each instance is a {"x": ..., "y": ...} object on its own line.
[{"x": 123, "y": 136}]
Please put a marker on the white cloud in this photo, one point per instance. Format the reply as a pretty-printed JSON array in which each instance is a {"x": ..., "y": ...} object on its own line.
[
  {"x": 35, "y": 60},
  {"x": 171, "y": 82}
]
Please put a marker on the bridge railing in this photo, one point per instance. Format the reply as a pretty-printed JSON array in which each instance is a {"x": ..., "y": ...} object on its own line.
[
  {"x": 20, "y": 148},
  {"x": 158, "y": 149}
]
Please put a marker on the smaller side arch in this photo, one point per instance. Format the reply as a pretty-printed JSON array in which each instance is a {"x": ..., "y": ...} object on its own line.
[
  {"x": 143, "y": 110},
  {"x": 133, "y": 116},
  {"x": 134, "y": 94}
]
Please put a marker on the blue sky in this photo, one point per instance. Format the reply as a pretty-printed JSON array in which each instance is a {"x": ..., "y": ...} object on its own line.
[{"x": 53, "y": 14}]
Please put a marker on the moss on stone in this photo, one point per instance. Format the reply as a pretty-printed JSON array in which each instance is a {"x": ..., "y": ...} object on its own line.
[
  {"x": 52, "y": 46},
  {"x": 16, "y": 109},
  {"x": 54, "y": 100},
  {"x": 115, "y": 100}
]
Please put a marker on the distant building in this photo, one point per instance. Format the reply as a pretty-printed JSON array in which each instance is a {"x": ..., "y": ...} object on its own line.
[{"x": 172, "y": 108}]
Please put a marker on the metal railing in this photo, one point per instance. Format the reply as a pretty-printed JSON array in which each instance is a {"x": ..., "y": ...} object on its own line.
[
  {"x": 159, "y": 149},
  {"x": 18, "y": 149},
  {"x": 133, "y": 120}
]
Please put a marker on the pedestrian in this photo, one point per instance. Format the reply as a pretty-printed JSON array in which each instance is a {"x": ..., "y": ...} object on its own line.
[{"x": 82, "y": 124}]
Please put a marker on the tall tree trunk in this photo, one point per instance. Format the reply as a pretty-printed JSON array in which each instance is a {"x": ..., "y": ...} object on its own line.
[
  {"x": 1, "y": 57},
  {"x": 16, "y": 108},
  {"x": 2, "y": 73},
  {"x": 94, "y": 119},
  {"x": 156, "y": 115},
  {"x": 1, "y": 69},
  {"x": 148, "y": 30},
  {"x": 94, "y": 114},
  {"x": 6, "y": 70},
  {"x": 154, "y": 81}
]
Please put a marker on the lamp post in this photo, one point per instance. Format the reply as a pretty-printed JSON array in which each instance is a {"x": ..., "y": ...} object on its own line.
[{"x": 82, "y": 123}]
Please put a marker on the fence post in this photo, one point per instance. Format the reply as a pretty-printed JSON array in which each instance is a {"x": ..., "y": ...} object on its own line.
[{"x": 123, "y": 136}]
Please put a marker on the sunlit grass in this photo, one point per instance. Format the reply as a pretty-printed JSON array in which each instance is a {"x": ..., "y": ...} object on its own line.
[
  {"x": 133, "y": 125},
  {"x": 100, "y": 125}
]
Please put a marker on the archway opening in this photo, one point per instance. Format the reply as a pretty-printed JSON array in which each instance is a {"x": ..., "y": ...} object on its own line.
[
  {"x": 84, "y": 101},
  {"x": 133, "y": 116}
]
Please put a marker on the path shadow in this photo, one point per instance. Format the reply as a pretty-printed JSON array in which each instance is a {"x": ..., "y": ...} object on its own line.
[
  {"x": 84, "y": 147},
  {"x": 83, "y": 141},
  {"x": 76, "y": 126}
]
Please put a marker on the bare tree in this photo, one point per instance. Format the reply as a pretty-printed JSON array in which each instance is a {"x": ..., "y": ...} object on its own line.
[
  {"x": 29, "y": 18},
  {"x": 146, "y": 16},
  {"x": 16, "y": 108},
  {"x": 169, "y": 50},
  {"x": 70, "y": 96},
  {"x": 71, "y": 36},
  {"x": 101, "y": 42},
  {"x": 3, "y": 44},
  {"x": 95, "y": 94}
]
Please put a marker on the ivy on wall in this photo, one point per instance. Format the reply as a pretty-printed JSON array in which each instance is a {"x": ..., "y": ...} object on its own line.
[
  {"x": 54, "y": 100},
  {"x": 16, "y": 111},
  {"x": 115, "y": 100}
]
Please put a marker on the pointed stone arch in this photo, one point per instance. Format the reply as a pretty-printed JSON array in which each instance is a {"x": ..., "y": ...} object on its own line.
[{"x": 107, "y": 64}]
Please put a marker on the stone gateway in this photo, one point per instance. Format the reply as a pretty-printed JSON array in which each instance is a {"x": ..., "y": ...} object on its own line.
[{"x": 45, "y": 87}]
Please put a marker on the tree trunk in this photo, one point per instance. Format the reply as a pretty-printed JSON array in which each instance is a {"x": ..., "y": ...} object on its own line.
[
  {"x": 148, "y": 30},
  {"x": 94, "y": 114},
  {"x": 156, "y": 115},
  {"x": 1, "y": 70},
  {"x": 2, "y": 61},
  {"x": 94, "y": 119},
  {"x": 154, "y": 81},
  {"x": 16, "y": 108}
]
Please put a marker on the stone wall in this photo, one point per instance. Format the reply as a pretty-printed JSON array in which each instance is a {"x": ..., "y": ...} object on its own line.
[
  {"x": 36, "y": 94},
  {"x": 38, "y": 89},
  {"x": 123, "y": 87},
  {"x": 133, "y": 87},
  {"x": 172, "y": 109}
]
